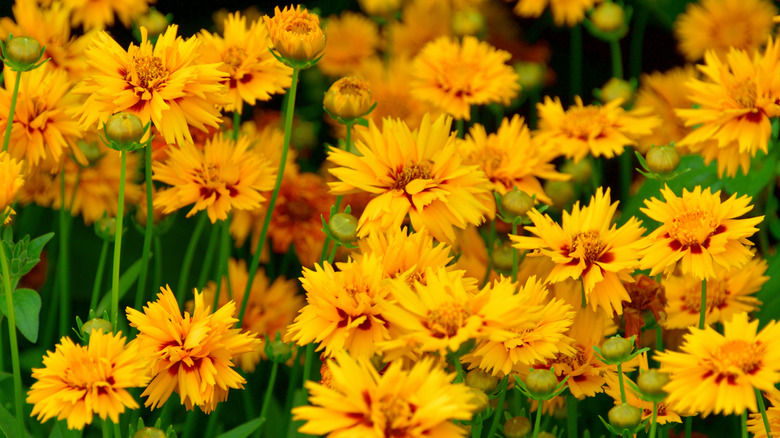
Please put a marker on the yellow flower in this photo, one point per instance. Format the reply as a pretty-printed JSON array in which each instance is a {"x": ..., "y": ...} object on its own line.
[
  {"x": 730, "y": 291},
  {"x": 79, "y": 381},
  {"x": 565, "y": 12},
  {"x": 598, "y": 130},
  {"x": 223, "y": 176},
  {"x": 11, "y": 180},
  {"x": 756, "y": 422},
  {"x": 190, "y": 354},
  {"x": 352, "y": 39},
  {"x": 270, "y": 309},
  {"x": 253, "y": 73},
  {"x": 587, "y": 245},
  {"x": 721, "y": 25},
  {"x": 454, "y": 76},
  {"x": 698, "y": 230},
  {"x": 348, "y": 98},
  {"x": 380, "y": 8},
  {"x": 723, "y": 369},
  {"x": 418, "y": 173},
  {"x": 99, "y": 14},
  {"x": 416, "y": 28},
  {"x": 296, "y": 33},
  {"x": 359, "y": 401},
  {"x": 734, "y": 107},
  {"x": 160, "y": 82}
]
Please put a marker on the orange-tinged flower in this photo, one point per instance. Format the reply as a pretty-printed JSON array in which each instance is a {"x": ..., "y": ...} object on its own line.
[
  {"x": 352, "y": 39},
  {"x": 99, "y": 14},
  {"x": 698, "y": 230},
  {"x": 11, "y": 180},
  {"x": 191, "y": 354},
  {"x": 456, "y": 75},
  {"x": 77, "y": 381},
  {"x": 416, "y": 28},
  {"x": 565, "y": 12},
  {"x": 296, "y": 33},
  {"x": 348, "y": 98},
  {"x": 756, "y": 422}
]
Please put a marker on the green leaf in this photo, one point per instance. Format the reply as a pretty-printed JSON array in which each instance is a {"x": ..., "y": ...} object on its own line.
[
  {"x": 125, "y": 281},
  {"x": 762, "y": 171},
  {"x": 8, "y": 424},
  {"x": 36, "y": 245},
  {"x": 27, "y": 307},
  {"x": 243, "y": 430},
  {"x": 768, "y": 293}
]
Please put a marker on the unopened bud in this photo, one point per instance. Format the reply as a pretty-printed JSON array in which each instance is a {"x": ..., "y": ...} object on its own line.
[
  {"x": 124, "y": 129},
  {"x": 541, "y": 384},
  {"x": 625, "y": 416},
  {"x": 502, "y": 258},
  {"x": 617, "y": 89},
  {"x": 96, "y": 324},
  {"x": 149, "y": 432},
  {"x": 479, "y": 399},
  {"x": 517, "y": 427},
  {"x": 105, "y": 228},
  {"x": 662, "y": 159},
  {"x": 617, "y": 349},
  {"x": 516, "y": 202},
  {"x": 560, "y": 192},
  {"x": 154, "y": 21},
  {"x": 23, "y": 51},
  {"x": 343, "y": 226},
  {"x": 278, "y": 351},
  {"x": 652, "y": 383},
  {"x": 581, "y": 172},
  {"x": 608, "y": 17},
  {"x": 348, "y": 98},
  {"x": 530, "y": 74},
  {"x": 478, "y": 378},
  {"x": 468, "y": 22}
]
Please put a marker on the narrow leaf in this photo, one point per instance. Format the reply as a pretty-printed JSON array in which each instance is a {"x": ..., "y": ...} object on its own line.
[{"x": 243, "y": 430}]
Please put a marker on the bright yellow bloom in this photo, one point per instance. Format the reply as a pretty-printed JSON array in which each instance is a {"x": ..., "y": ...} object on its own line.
[
  {"x": 416, "y": 28},
  {"x": 380, "y": 8},
  {"x": 99, "y": 14},
  {"x": 756, "y": 422},
  {"x": 161, "y": 82},
  {"x": 361, "y": 402},
  {"x": 565, "y": 12},
  {"x": 223, "y": 176},
  {"x": 721, "y": 25},
  {"x": 698, "y": 230},
  {"x": 418, "y": 173},
  {"x": 190, "y": 354},
  {"x": 734, "y": 107},
  {"x": 588, "y": 246},
  {"x": 598, "y": 130},
  {"x": 11, "y": 180},
  {"x": 352, "y": 39},
  {"x": 253, "y": 73},
  {"x": 296, "y": 33},
  {"x": 79, "y": 381},
  {"x": 723, "y": 369},
  {"x": 454, "y": 75},
  {"x": 348, "y": 98}
]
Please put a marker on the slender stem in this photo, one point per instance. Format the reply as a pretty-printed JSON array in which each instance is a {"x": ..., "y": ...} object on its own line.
[
  {"x": 307, "y": 364},
  {"x": 9, "y": 123},
  {"x": 106, "y": 432},
  {"x": 211, "y": 425},
  {"x": 571, "y": 416},
  {"x": 654, "y": 421},
  {"x": 117, "y": 430},
  {"x": 582, "y": 289},
  {"x": 120, "y": 212},
  {"x": 460, "y": 127},
  {"x": 575, "y": 68},
  {"x": 139, "y": 294},
  {"x": 515, "y": 255},
  {"x": 637, "y": 38},
  {"x": 289, "y": 111},
  {"x": 9, "y": 303},
  {"x": 499, "y": 407},
  {"x": 158, "y": 266},
  {"x": 332, "y": 254},
  {"x": 617, "y": 59},
  {"x": 224, "y": 252},
  {"x": 626, "y": 173},
  {"x": 189, "y": 253},
  {"x": 268, "y": 391},
  {"x": 703, "y": 308},
  {"x": 190, "y": 421},
  {"x": 101, "y": 267},
  {"x": 762, "y": 408},
  {"x": 348, "y": 144},
  {"x": 63, "y": 265},
  {"x": 688, "y": 426},
  {"x": 538, "y": 422},
  {"x": 742, "y": 424},
  {"x": 236, "y": 123},
  {"x": 460, "y": 375},
  {"x": 209, "y": 257},
  {"x": 620, "y": 380}
]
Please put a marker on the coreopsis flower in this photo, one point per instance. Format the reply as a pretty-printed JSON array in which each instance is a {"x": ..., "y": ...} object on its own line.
[
  {"x": 721, "y": 25},
  {"x": 344, "y": 309},
  {"x": 646, "y": 295},
  {"x": 161, "y": 82},
  {"x": 501, "y": 350},
  {"x": 270, "y": 309},
  {"x": 564, "y": 12},
  {"x": 77, "y": 381},
  {"x": 352, "y": 39},
  {"x": 296, "y": 33},
  {"x": 599, "y": 130},
  {"x": 359, "y": 401},
  {"x": 418, "y": 173},
  {"x": 225, "y": 175},
  {"x": 589, "y": 246},
  {"x": 191, "y": 354},
  {"x": 755, "y": 424},
  {"x": 723, "y": 369},
  {"x": 11, "y": 180},
  {"x": 348, "y": 98},
  {"x": 380, "y": 8},
  {"x": 510, "y": 159},
  {"x": 99, "y": 14},
  {"x": 729, "y": 292},
  {"x": 416, "y": 29},
  {"x": 455, "y": 75},
  {"x": 734, "y": 107},
  {"x": 697, "y": 231},
  {"x": 42, "y": 128},
  {"x": 253, "y": 72}
]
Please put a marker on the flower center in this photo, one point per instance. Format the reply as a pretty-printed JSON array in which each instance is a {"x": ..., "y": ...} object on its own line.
[
  {"x": 148, "y": 71},
  {"x": 411, "y": 172},
  {"x": 488, "y": 158},
  {"x": 396, "y": 413},
  {"x": 233, "y": 56},
  {"x": 744, "y": 93},
  {"x": 589, "y": 244},
  {"x": 300, "y": 27},
  {"x": 298, "y": 210},
  {"x": 353, "y": 88},
  {"x": 87, "y": 373},
  {"x": 692, "y": 228},
  {"x": 737, "y": 357},
  {"x": 584, "y": 123},
  {"x": 447, "y": 319}
]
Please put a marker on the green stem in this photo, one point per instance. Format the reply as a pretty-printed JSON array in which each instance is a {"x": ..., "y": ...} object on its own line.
[
  {"x": 224, "y": 252},
  {"x": 63, "y": 262},
  {"x": 190, "y": 421},
  {"x": 9, "y": 123},
  {"x": 307, "y": 364},
  {"x": 626, "y": 173},
  {"x": 101, "y": 267},
  {"x": 106, "y": 432},
  {"x": 688, "y": 426},
  {"x": 571, "y": 416},
  {"x": 236, "y": 123},
  {"x": 209, "y": 257},
  {"x": 742, "y": 424},
  {"x": 189, "y": 253},
  {"x": 654, "y": 421},
  {"x": 120, "y": 212},
  {"x": 762, "y": 408},
  {"x": 332, "y": 254},
  {"x": 575, "y": 68},
  {"x": 139, "y": 294},
  {"x": 460, "y": 126},
  {"x": 515, "y": 255},
  {"x": 288, "y": 117},
  {"x": 703, "y": 307},
  {"x": 117, "y": 430},
  {"x": 499, "y": 407},
  {"x": 620, "y": 380},
  {"x": 583, "y": 297},
  {"x": 9, "y": 303},
  {"x": 637, "y": 38},
  {"x": 348, "y": 144},
  {"x": 211, "y": 425},
  {"x": 268, "y": 391},
  {"x": 158, "y": 267},
  {"x": 538, "y": 422},
  {"x": 617, "y": 59}
]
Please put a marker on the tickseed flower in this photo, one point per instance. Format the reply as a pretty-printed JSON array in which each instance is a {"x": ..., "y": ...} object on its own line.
[
  {"x": 191, "y": 354},
  {"x": 598, "y": 130},
  {"x": 698, "y": 230},
  {"x": 160, "y": 82},
  {"x": 721, "y": 25},
  {"x": 11, "y": 180},
  {"x": 253, "y": 72},
  {"x": 296, "y": 34},
  {"x": 756, "y": 422},
  {"x": 646, "y": 295},
  {"x": 723, "y": 369},
  {"x": 565, "y": 12},
  {"x": 225, "y": 175},
  {"x": 380, "y": 8},
  {"x": 348, "y": 98},
  {"x": 99, "y": 14},
  {"x": 454, "y": 75},
  {"x": 417, "y": 29},
  {"x": 352, "y": 39},
  {"x": 589, "y": 246},
  {"x": 734, "y": 107},
  {"x": 270, "y": 309},
  {"x": 729, "y": 292},
  {"x": 418, "y": 173},
  {"x": 77, "y": 381},
  {"x": 359, "y": 401}
]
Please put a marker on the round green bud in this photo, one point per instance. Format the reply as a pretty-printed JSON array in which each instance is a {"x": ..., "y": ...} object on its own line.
[
  {"x": 617, "y": 349},
  {"x": 517, "y": 427},
  {"x": 608, "y": 17},
  {"x": 561, "y": 192},
  {"x": 478, "y": 378},
  {"x": 546, "y": 435},
  {"x": 90, "y": 150},
  {"x": 468, "y": 21},
  {"x": 125, "y": 129},
  {"x": 625, "y": 416},
  {"x": 516, "y": 202},
  {"x": 149, "y": 432},
  {"x": 541, "y": 384},
  {"x": 478, "y": 399},
  {"x": 96, "y": 324},
  {"x": 580, "y": 172},
  {"x": 652, "y": 383},
  {"x": 662, "y": 159},
  {"x": 105, "y": 228},
  {"x": 343, "y": 226},
  {"x": 502, "y": 257},
  {"x": 530, "y": 75},
  {"x": 278, "y": 351},
  {"x": 23, "y": 51},
  {"x": 617, "y": 88}
]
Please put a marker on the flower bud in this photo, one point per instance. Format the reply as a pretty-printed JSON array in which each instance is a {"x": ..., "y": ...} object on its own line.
[
  {"x": 343, "y": 226},
  {"x": 105, "y": 228},
  {"x": 296, "y": 34},
  {"x": 662, "y": 159},
  {"x": 560, "y": 192},
  {"x": 154, "y": 21},
  {"x": 502, "y": 257},
  {"x": 546, "y": 435},
  {"x": 149, "y": 432},
  {"x": 617, "y": 349},
  {"x": 479, "y": 399},
  {"x": 478, "y": 378},
  {"x": 530, "y": 74},
  {"x": 516, "y": 202},
  {"x": 652, "y": 383},
  {"x": 96, "y": 324},
  {"x": 617, "y": 89},
  {"x": 468, "y": 22},
  {"x": 23, "y": 52},
  {"x": 517, "y": 427},
  {"x": 608, "y": 17},
  {"x": 124, "y": 129},
  {"x": 348, "y": 98},
  {"x": 541, "y": 383},
  {"x": 625, "y": 416},
  {"x": 278, "y": 351},
  {"x": 90, "y": 150},
  {"x": 581, "y": 172}
]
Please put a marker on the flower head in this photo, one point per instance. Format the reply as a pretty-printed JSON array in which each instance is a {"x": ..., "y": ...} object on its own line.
[
  {"x": 352, "y": 39},
  {"x": 296, "y": 33},
  {"x": 568, "y": 12},
  {"x": 348, "y": 98},
  {"x": 99, "y": 14},
  {"x": 77, "y": 381},
  {"x": 11, "y": 180},
  {"x": 416, "y": 28}
]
